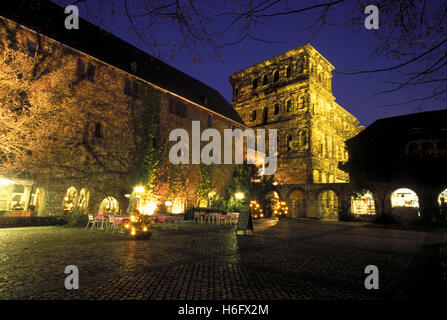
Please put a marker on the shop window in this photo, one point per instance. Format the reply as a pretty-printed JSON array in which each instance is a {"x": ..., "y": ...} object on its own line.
[{"x": 265, "y": 79}]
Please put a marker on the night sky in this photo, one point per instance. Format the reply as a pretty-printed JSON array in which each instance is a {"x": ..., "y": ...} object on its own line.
[{"x": 345, "y": 47}]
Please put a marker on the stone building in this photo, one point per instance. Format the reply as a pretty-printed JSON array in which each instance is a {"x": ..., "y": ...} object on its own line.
[
  {"x": 87, "y": 117},
  {"x": 401, "y": 161},
  {"x": 292, "y": 93}
]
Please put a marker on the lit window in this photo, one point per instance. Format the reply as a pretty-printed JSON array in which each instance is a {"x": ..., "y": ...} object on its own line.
[
  {"x": 98, "y": 130},
  {"x": 289, "y": 142},
  {"x": 276, "y": 76},
  {"x": 253, "y": 115},
  {"x": 255, "y": 83},
  {"x": 265, "y": 80}
]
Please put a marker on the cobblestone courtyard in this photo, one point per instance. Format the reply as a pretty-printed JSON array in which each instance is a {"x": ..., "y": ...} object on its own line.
[{"x": 284, "y": 259}]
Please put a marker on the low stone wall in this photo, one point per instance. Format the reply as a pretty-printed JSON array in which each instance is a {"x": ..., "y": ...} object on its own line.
[{"x": 12, "y": 222}]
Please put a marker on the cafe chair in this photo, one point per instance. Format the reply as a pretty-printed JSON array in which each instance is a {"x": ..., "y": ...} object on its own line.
[{"x": 91, "y": 221}]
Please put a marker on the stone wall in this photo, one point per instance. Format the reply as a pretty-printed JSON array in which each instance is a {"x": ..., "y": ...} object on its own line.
[
  {"x": 88, "y": 114},
  {"x": 296, "y": 99}
]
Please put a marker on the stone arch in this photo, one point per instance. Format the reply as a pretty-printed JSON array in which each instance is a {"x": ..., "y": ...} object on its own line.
[
  {"x": 362, "y": 202},
  {"x": 302, "y": 137},
  {"x": 289, "y": 142},
  {"x": 296, "y": 204},
  {"x": 253, "y": 115},
  {"x": 265, "y": 79},
  {"x": 109, "y": 205},
  {"x": 328, "y": 204},
  {"x": 405, "y": 201},
  {"x": 70, "y": 199}
]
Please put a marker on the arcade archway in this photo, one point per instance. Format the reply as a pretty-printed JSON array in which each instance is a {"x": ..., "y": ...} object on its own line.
[{"x": 328, "y": 205}]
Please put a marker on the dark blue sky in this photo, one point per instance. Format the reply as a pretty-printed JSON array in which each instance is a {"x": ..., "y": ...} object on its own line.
[{"x": 346, "y": 48}]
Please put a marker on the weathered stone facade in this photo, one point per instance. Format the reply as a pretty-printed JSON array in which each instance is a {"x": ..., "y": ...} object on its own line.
[
  {"x": 97, "y": 115},
  {"x": 292, "y": 93}
]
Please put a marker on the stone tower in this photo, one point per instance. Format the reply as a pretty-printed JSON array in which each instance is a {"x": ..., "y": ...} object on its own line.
[{"x": 292, "y": 93}]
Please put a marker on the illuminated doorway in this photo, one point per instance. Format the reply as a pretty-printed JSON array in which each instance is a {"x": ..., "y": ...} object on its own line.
[
  {"x": 296, "y": 204},
  {"x": 69, "y": 199},
  {"x": 109, "y": 206},
  {"x": 84, "y": 197}
]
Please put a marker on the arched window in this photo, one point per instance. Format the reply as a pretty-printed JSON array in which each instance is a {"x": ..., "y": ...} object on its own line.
[
  {"x": 69, "y": 199},
  {"x": 84, "y": 196},
  {"x": 289, "y": 142},
  {"x": 255, "y": 83},
  {"x": 289, "y": 105},
  {"x": 276, "y": 111},
  {"x": 99, "y": 130},
  {"x": 276, "y": 75},
  {"x": 265, "y": 79},
  {"x": 302, "y": 137},
  {"x": 302, "y": 102},
  {"x": 253, "y": 115}
]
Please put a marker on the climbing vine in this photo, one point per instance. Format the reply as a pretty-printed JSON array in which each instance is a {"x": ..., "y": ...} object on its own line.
[{"x": 148, "y": 151}]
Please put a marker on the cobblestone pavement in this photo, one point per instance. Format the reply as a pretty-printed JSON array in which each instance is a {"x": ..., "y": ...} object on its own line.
[{"x": 303, "y": 259}]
